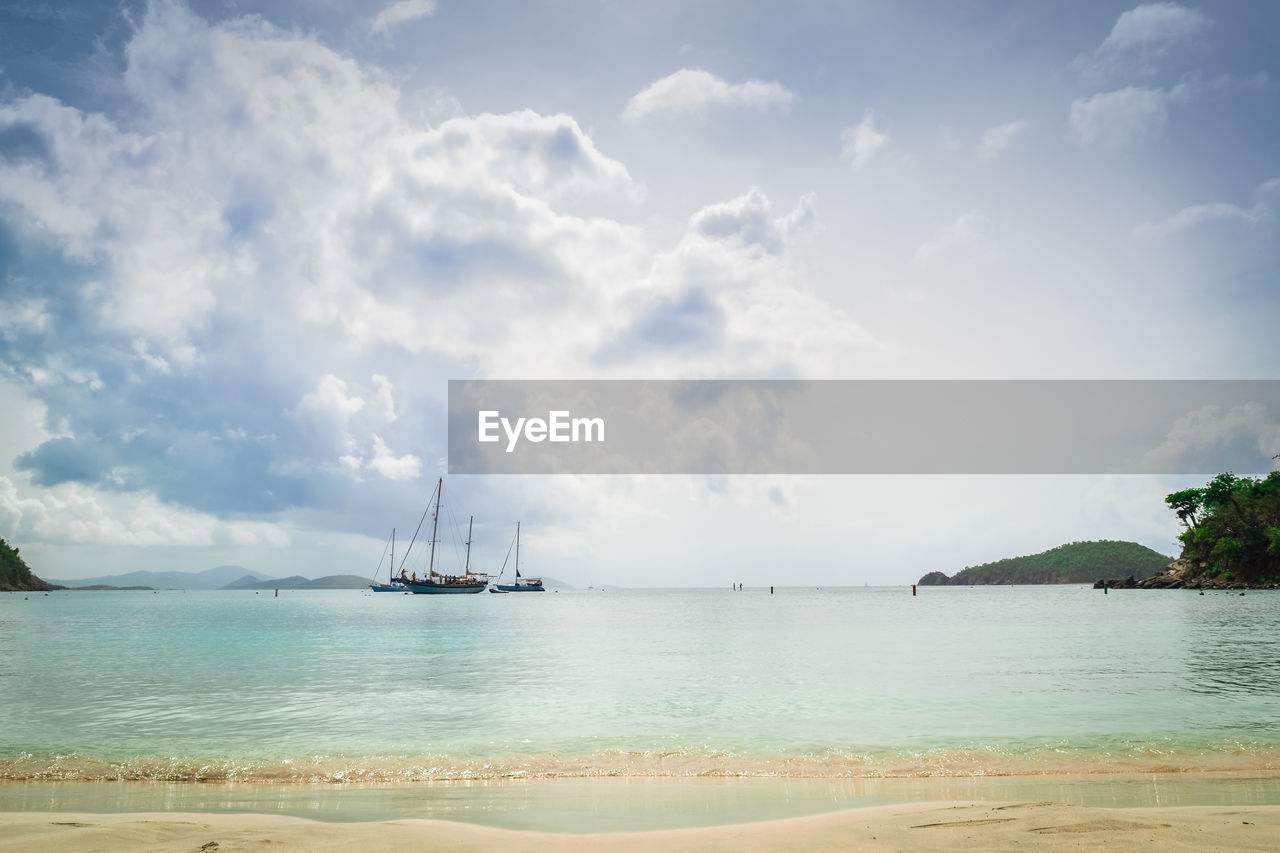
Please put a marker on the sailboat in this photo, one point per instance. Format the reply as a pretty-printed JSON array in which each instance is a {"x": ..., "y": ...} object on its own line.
[
  {"x": 520, "y": 584},
  {"x": 393, "y": 583},
  {"x": 436, "y": 583}
]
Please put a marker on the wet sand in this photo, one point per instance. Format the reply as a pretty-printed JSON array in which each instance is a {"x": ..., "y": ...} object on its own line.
[
  {"x": 916, "y": 826},
  {"x": 1170, "y": 812}
]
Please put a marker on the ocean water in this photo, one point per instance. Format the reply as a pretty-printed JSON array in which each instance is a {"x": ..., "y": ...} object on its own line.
[{"x": 324, "y": 686}]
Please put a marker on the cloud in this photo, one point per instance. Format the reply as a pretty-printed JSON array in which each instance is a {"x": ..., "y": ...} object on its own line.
[
  {"x": 202, "y": 287},
  {"x": 1199, "y": 214},
  {"x": 728, "y": 300},
  {"x": 996, "y": 139},
  {"x": 75, "y": 514},
  {"x": 693, "y": 90},
  {"x": 330, "y": 399},
  {"x": 1199, "y": 440},
  {"x": 406, "y": 467},
  {"x": 384, "y": 396},
  {"x": 1138, "y": 43},
  {"x": 860, "y": 142},
  {"x": 398, "y": 13},
  {"x": 1142, "y": 38},
  {"x": 547, "y": 157},
  {"x": 968, "y": 239},
  {"x": 748, "y": 219},
  {"x": 1121, "y": 119},
  {"x": 1196, "y": 215},
  {"x": 23, "y": 316},
  {"x": 64, "y": 460},
  {"x": 1127, "y": 117},
  {"x": 152, "y": 362}
]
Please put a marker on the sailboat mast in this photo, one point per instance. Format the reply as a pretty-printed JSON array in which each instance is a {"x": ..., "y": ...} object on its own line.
[
  {"x": 435, "y": 523},
  {"x": 393, "y": 553},
  {"x": 471, "y": 521},
  {"x": 517, "y": 549}
]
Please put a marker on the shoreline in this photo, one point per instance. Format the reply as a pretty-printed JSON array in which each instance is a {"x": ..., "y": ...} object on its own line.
[
  {"x": 923, "y": 825},
  {"x": 1010, "y": 759},
  {"x": 622, "y": 804}
]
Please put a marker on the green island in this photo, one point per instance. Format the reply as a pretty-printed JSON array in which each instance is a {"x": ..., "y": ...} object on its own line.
[
  {"x": 1075, "y": 562},
  {"x": 1231, "y": 534},
  {"x": 15, "y": 574},
  {"x": 99, "y": 587}
]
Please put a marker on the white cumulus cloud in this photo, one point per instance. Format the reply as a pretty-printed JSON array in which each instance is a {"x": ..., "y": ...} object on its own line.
[
  {"x": 384, "y": 396},
  {"x": 1250, "y": 426},
  {"x": 386, "y": 463},
  {"x": 1142, "y": 37},
  {"x": 330, "y": 399},
  {"x": 1195, "y": 215},
  {"x": 23, "y": 316},
  {"x": 729, "y": 300},
  {"x": 1121, "y": 119},
  {"x": 74, "y": 513},
  {"x": 692, "y": 90},
  {"x": 321, "y": 233},
  {"x": 860, "y": 142},
  {"x": 398, "y": 13}
]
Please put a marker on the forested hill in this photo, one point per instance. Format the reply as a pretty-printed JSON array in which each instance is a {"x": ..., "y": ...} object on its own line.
[
  {"x": 1232, "y": 534},
  {"x": 1077, "y": 562},
  {"x": 15, "y": 574}
]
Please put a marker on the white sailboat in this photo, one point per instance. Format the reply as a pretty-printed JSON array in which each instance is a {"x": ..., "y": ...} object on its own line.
[
  {"x": 393, "y": 583},
  {"x": 521, "y": 583},
  {"x": 437, "y": 583}
]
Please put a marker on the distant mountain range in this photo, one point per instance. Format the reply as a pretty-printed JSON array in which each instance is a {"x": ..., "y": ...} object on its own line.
[
  {"x": 230, "y": 577},
  {"x": 299, "y": 582},
  {"x": 215, "y": 578}
]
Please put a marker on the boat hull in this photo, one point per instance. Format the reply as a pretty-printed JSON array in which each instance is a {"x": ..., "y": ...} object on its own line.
[
  {"x": 385, "y": 587},
  {"x": 446, "y": 589},
  {"x": 503, "y": 587}
]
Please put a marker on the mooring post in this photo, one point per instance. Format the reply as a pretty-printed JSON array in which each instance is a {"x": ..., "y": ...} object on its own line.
[{"x": 913, "y": 589}]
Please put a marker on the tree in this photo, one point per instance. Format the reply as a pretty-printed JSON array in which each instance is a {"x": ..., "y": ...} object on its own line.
[
  {"x": 1187, "y": 504},
  {"x": 1233, "y": 527}
]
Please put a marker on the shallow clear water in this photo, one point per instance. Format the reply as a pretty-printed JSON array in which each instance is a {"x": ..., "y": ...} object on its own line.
[
  {"x": 631, "y": 804},
  {"x": 353, "y": 685}
]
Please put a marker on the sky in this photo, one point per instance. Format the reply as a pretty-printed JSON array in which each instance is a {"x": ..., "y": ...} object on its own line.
[{"x": 244, "y": 246}]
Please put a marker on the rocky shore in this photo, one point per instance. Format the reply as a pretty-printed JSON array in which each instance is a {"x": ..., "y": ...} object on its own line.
[
  {"x": 1181, "y": 574},
  {"x": 33, "y": 584}
]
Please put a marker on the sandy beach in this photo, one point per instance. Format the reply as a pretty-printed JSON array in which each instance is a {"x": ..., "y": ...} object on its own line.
[
  {"x": 1169, "y": 812},
  {"x": 917, "y": 826}
]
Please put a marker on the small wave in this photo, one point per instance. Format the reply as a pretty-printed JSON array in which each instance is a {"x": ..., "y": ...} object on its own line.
[{"x": 1145, "y": 757}]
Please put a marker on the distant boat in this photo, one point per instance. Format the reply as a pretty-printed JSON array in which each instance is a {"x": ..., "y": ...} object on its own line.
[
  {"x": 520, "y": 584},
  {"x": 437, "y": 583},
  {"x": 393, "y": 583}
]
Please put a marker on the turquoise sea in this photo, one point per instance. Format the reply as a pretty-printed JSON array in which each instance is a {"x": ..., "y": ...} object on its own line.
[{"x": 316, "y": 686}]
